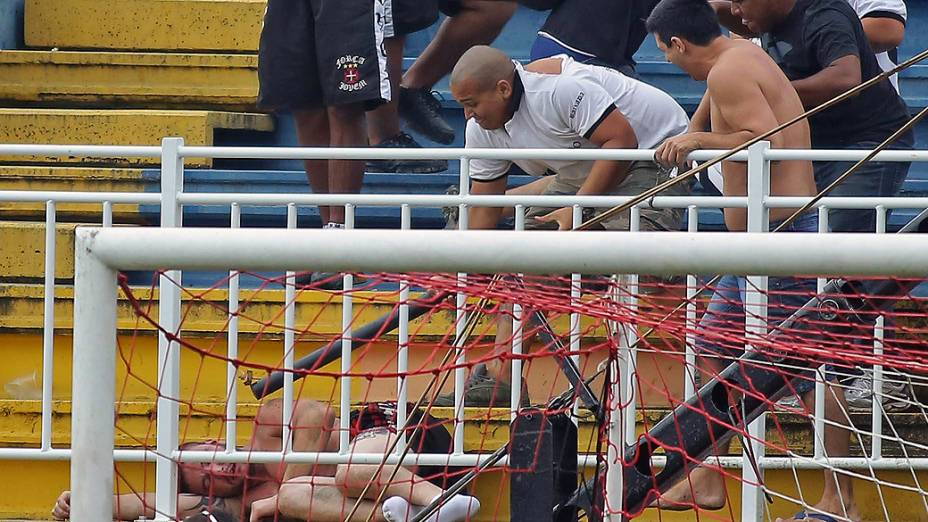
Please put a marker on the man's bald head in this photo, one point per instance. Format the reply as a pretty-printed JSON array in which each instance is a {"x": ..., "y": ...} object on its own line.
[
  {"x": 482, "y": 82},
  {"x": 483, "y": 65}
]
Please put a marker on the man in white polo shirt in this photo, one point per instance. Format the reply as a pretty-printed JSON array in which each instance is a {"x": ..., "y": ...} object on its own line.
[{"x": 561, "y": 104}]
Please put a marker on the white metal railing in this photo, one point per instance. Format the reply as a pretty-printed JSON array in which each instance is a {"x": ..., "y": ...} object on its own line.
[{"x": 173, "y": 198}]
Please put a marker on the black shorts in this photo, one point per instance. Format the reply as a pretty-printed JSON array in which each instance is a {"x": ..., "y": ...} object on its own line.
[
  {"x": 322, "y": 53},
  {"x": 431, "y": 437}
]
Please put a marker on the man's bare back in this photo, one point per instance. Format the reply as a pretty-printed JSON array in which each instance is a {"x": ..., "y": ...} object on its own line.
[{"x": 746, "y": 88}]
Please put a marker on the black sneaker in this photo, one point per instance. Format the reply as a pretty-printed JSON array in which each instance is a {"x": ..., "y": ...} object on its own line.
[
  {"x": 482, "y": 390},
  {"x": 329, "y": 281},
  {"x": 405, "y": 141},
  {"x": 422, "y": 111}
]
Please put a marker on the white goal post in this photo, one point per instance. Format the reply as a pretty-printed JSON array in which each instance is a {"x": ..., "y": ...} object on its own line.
[{"x": 102, "y": 252}]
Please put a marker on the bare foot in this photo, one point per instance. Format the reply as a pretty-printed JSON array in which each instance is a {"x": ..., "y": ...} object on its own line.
[{"x": 703, "y": 487}]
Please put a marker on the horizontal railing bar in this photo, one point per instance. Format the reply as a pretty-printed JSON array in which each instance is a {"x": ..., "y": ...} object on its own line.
[
  {"x": 845, "y": 155},
  {"x": 31, "y": 196},
  {"x": 96, "y": 151},
  {"x": 469, "y": 459},
  {"x": 152, "y": 151},
  {"x": 491, "y": 251},
  {"x": 436, "y": 200},
  {"x": 364, "y": 153},
  {"x": 429, "y": 200},
  {"x": 868, "y": 203}
]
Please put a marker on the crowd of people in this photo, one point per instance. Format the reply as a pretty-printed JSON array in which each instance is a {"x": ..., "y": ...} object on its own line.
[{"x": 337, "y": 67}]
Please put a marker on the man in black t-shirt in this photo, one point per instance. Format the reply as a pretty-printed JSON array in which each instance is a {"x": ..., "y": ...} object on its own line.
[
  {"x": 597, "y": 32},
  {"x": 822, "y": 48}
]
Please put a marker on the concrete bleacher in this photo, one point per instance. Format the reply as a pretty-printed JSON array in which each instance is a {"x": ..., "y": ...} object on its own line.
[{"x": 132, "y": 71}]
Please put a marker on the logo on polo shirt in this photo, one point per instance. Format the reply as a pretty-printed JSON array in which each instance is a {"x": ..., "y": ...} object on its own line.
[
  {"x": 351, "y": 73},
  {"x": 576, "y": 104}
]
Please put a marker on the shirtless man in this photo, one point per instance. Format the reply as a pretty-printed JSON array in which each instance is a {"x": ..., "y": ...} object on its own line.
[
  {"x": 251, "y": 490},
  {"x": 748, "y": 95},
  {"x": 232, "y": 488}
]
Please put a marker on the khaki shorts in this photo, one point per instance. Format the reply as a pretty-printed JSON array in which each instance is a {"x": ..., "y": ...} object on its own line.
[{"x": 642, "y": 175}]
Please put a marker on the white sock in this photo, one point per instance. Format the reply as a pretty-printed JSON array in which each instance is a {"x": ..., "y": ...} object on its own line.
[
  {"x": 332, "y": 224},
  {"x": 398, "y": 509},
  {"x": 457, "y": 509}
]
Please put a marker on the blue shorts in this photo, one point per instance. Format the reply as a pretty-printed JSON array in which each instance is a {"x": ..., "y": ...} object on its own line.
[{"x": 721, "y": 329}]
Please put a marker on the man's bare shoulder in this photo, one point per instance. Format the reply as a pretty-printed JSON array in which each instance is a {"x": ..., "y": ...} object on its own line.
[{"x": 739, "y": 67}]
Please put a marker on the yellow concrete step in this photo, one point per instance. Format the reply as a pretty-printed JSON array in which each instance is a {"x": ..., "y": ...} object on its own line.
[
  {"x": 22, "y": 251},
  {"x": 119, "y": 127},
  {"x": 205, "y": 326},
  {"x": 176, "y": 25},
  {"x": 150, "y": 80},
  {"x": 76, "y": 179}
]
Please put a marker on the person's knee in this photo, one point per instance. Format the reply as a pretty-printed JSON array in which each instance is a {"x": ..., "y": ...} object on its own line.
[
  {"x": 312, "y": 126},
  {"x": 346, "y": 124}
]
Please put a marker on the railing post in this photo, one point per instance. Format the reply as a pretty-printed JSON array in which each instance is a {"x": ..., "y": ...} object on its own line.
[
  {"x": 172, "y": 184},
  {"x": 48, "y": 324},
  {"x": 755, "y": 311}
]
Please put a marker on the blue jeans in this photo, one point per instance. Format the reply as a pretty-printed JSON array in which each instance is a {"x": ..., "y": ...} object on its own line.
[
  {"x": 721, "y": 328},
  {"x": 871, "y": 179}
]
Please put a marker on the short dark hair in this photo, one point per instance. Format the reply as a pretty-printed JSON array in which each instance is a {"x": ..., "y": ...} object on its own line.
[{"x": 693, "y": 20}]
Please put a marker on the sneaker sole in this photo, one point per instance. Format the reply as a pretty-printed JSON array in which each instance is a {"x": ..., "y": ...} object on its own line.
[{"x": 405, "y": 169}]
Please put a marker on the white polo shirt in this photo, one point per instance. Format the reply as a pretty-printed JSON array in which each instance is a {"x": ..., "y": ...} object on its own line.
[
  {"x": 561, "y": 111},
  {"x": 894, "y": 9}
]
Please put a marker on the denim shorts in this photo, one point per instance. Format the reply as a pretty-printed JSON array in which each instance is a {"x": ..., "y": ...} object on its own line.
[{"x": 721, "y": 329}]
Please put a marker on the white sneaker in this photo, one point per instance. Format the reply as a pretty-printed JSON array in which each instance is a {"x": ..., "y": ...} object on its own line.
[{"x": 896, "y": 395}]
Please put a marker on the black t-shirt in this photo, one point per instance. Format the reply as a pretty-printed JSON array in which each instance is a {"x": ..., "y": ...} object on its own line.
[
  {"x": 610, "y": 30},
  {"x": 814, "y": 35}
]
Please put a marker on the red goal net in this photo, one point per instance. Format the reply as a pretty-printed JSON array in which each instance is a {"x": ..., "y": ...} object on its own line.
[{"x": 427, "y": 365}]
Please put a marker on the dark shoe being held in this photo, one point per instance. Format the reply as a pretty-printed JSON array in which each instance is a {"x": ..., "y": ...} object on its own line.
[
  {"x": 482, "y": 390},
  {"x": 405, "y": 141},
  {"x": 422, "y": 111},
  {"x": 452, "y": 214},
  {"x": 329, "y": 281}
]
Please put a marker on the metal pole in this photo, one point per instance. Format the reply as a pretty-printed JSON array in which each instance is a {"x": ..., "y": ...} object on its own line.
[
  {"x": 692, "y": 289},
  {"x": 402, "y": 356},
  {"x": 289, "y": 343},
  {"x": 48, "y": 325},
  {"x": 755, "y": 312},
  {"x": 347, "y": 313},
  {"x": 172, "y": 183},
  {"x": 94, "y": 384},
  {"x": 235, "y": 221}
]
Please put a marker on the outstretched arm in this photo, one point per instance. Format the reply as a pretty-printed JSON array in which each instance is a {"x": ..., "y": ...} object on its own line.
[
  {"x": 132, "y": 506},
  {"x": 479, "y": 218},
  {"x": 612, "y": 132}
]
